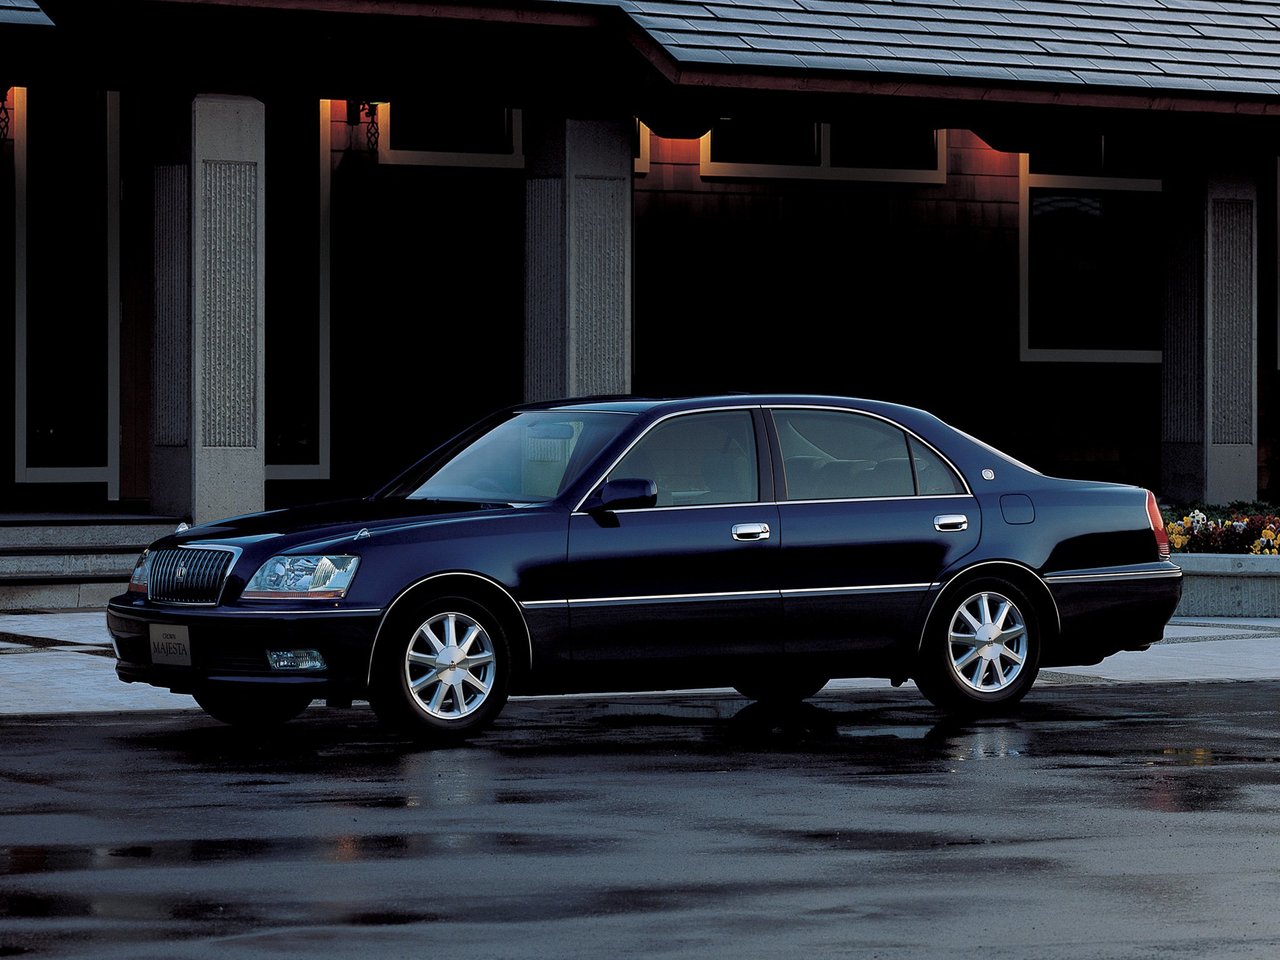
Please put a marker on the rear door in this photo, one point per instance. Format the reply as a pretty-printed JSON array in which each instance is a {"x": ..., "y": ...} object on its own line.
[{"x": 870, "y": 517}]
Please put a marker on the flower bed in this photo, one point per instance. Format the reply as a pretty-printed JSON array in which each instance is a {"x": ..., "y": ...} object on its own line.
[
  {"x": 1234, "y": 533},
  {"x": 1230, "y": 561}
]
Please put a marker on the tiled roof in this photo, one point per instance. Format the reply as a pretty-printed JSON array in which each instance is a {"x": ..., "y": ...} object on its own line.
[
  {"x": 1213, "y": 47},
  {"x": 22, "y": 11}
]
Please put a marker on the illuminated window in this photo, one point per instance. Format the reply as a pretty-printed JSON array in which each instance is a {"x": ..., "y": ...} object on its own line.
[
  {"x": 454, "y": 135},
  {"x": 854, "y": 149}
]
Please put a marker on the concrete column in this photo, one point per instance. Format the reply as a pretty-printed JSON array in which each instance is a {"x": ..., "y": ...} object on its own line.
[
  {"x": 1210, "y": 402},
  {"x": 577, "y": 257},
  {"x": 208, "y": 415}
]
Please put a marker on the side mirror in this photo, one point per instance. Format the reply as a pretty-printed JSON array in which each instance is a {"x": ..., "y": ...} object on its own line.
[{"x": 627, "y": 493}]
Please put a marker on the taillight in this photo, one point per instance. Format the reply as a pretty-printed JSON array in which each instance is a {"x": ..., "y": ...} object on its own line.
[{"x": 1157, "y": 526}]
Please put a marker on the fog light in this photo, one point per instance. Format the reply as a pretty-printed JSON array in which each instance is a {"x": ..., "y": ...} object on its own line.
[{"x": 295, "y": 660}]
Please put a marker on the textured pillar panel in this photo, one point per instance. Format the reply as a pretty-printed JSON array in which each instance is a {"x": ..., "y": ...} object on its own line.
[
  {"x": 1183, "y": 370},
  {"x": 578, "y": 258},
  {"x": 171, "y": 333},
  {"x": 1233, "y": 304},
  {"x": 227, "y": 231},
  {"x": 228, "y": 381},
  {"x": 545, "y": 375},
  {"x": 599, "y": 316}
]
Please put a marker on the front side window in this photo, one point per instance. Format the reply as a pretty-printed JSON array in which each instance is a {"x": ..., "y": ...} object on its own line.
[{"x": 697, "y": 458}]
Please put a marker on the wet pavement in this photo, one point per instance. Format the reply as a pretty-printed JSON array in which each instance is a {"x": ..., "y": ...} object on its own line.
[
  {"x": 1130, "y": 810},
  {"x": 1105, "y": 821}
]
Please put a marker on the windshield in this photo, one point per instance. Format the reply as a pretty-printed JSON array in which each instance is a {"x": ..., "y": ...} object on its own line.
[{"x": 530, "y": 458}]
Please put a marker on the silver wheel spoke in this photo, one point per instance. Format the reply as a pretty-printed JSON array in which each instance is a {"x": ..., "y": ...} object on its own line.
[
  {"x": 476, "y": 682},
  {"x": 450, "y": 666},
  {"x": 424, "y": 680},
  {"x": 1011, "y": 636},
  {"x": 472, "y": 632},
  {"x": 1001, "y": 613},
  {"x": 987, "y": 642},
  {"x": 459, "y": 698},
  {"x": 436, "y": 697},
  {"x": 431, "y": 638}
]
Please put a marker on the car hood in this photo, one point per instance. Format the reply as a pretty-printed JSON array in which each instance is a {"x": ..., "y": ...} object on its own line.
[{"x": 341, "y": 519}]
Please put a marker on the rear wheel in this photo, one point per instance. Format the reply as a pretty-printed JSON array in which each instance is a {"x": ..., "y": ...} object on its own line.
[
  {"x": 981, "y": 649},
  {"x": 247, "y": 706},
  {"x": 442, "y": 673}
]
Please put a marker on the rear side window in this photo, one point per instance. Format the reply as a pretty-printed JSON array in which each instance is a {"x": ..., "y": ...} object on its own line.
[
  {"x": 829, "y": 455},
  {"x": 934, "y": 478}
]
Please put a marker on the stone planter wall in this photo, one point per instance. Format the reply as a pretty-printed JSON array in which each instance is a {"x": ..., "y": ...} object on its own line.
[{"x": 1228, "y": 585}]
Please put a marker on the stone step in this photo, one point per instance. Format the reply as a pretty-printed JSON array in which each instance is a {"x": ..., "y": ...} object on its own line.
[
  {"x": 64, "y": 561},
  {"x": 101, "y": 562},
  {"x": 40, "y": 596},
  {"x": 18, "y": 531}
]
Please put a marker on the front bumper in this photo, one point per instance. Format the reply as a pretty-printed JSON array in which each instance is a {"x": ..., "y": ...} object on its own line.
[{"x": 229, "y": 644}]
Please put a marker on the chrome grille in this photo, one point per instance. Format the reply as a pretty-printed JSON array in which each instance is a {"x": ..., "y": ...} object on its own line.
[{"x": 188, "y": 575}]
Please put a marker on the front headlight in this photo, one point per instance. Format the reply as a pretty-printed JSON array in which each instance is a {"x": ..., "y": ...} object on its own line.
[
  {"x": 313, "y": 577},
  {"x": 141, "y": 573}
]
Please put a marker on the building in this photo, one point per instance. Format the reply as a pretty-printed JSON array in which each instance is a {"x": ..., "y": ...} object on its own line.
[{"x": 269, "y": 251}]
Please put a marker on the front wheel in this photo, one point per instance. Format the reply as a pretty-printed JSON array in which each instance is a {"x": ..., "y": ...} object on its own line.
[
  {"x": 442, "y": 673},
  {"x": 981, "y": 650}
]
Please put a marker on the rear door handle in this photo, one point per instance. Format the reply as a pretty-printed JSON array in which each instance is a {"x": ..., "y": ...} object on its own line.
[
  {"x": 751, "y": 531},
  {"x": 950, "y": 522}
]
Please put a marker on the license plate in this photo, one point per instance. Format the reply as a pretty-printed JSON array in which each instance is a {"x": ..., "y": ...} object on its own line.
[{"x": 170, "y": 645}]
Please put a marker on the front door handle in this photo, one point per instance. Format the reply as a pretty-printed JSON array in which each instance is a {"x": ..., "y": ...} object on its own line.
[
  {"x": 950, "y": 523},
  {"x": 751, "y": 531}
]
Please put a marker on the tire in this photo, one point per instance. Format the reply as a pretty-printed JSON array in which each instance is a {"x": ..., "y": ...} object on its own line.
[
  {"x": 248, "y": 706},
  {"x": 981, "y": 649},
  {"x": 441, "y": 673},
  {"x": 781, "y": 690}
]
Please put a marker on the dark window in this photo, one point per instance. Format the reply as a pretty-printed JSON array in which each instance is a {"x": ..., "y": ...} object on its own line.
[
  {"x": 883, "y": 146},
  {"x": 1065, "y": 153},
  {"x": 780, "y": 142},
  {"x": 829, "y": 455},
  {"x": 1095, "y": 273},
  {"x": 697, "y": 458},
  {"x": 66, "y": 402},
  {"x": 435, "y": 126}
]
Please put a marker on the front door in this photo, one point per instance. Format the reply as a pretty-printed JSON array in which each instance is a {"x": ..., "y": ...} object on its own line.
[{"x": 692, "y": 578}]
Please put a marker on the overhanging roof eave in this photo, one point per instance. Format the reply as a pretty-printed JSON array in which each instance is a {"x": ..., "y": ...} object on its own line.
[{"x": 707, "y": 77}]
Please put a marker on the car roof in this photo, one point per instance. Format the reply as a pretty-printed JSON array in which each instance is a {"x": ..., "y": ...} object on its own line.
[{"x": 638, "y": 404}]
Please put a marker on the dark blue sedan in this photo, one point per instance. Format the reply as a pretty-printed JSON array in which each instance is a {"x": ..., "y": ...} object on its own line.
[{"x": 767, "y": 543}]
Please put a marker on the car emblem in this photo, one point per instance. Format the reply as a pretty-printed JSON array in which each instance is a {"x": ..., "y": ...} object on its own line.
[{"x": 182, "y": 572}]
